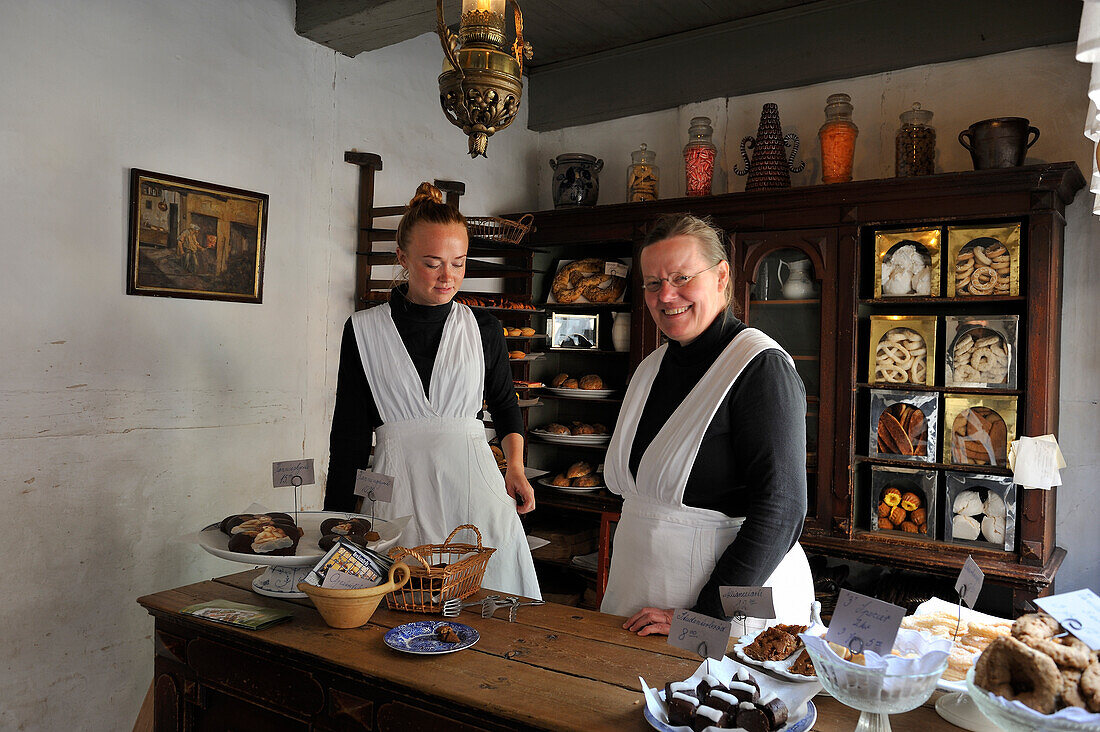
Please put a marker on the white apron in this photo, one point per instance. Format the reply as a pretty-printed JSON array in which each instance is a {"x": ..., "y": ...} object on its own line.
[
  {"x": 444, "y": 473},
  {"x": 664, "y": 551}
]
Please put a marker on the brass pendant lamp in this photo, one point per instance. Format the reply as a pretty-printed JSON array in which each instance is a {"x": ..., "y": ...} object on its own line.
[{"x": 481, "y": 84}]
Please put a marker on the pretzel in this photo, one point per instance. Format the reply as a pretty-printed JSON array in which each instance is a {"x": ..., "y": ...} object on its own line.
[{"x": 901, "y": 357}]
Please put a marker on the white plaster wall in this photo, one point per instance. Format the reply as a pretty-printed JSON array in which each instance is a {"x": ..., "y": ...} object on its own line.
[
  {"x": 127, "y": 421},
  {"x": 1045, "y": 85}
]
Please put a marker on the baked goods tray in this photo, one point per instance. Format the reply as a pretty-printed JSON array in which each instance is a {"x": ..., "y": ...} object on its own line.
[
  {"x": 570, "y": 488},
  {"x": 579, "y": 393},
  {"x": 936, "y": 605},
  {"x": 583, "y": 440},
  {"x": 779, "y": 668},
  {"x": 529, "y": 357},
  {"x": 308, "y": 553}
]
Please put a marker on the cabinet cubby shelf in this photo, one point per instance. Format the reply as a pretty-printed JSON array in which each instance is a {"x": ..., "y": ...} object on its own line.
[
  {"x": 925, "y": 301},
  {"x": 808, "y": 301},
  {"x": 944, "y": 389},
  {"x": 922, "y": 465}
]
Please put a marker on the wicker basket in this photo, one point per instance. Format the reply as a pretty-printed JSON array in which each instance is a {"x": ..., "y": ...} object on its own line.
[
  {"x": 497, "y": 229},
  {"x": 439, "y": 572}
]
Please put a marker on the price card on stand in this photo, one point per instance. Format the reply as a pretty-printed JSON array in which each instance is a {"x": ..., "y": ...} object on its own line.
[
  {"x": 862, "y": 623},
  {"x": 616, "y": 269},
  {"x": 375, "y": 487},
  {"x": 292, "y": 473},
  {"x": 699, "y": 634},
  {"x": 970, "y": 582},
  {"x": 1078, "y": 612},
  {"x": 747, "y": 602}
]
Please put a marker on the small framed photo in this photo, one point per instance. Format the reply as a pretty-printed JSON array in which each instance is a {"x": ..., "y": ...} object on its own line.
[
  {"x": 194, "y": 239},
  {"x": 574, "y": 331}
]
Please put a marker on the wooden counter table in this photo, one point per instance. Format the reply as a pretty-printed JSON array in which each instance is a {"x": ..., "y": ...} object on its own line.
[{"x": 556, "y": 668}]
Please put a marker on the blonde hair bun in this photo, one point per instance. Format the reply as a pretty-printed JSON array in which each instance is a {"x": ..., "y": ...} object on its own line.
[{"x": 426, "y": 193}]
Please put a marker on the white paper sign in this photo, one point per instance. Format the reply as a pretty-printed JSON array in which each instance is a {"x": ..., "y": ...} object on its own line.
[
  {"x": 699, "y": 634},
  {"x": 341, "y": 580},
  {"x": 616, "y": 269},
  {"x": 1036, "y": 463},
  {"x": 862, "y": 623},
  {"x": 747, "y": 602},
  {"x": 970, "y": 581},
  {"x": 1078, "y": 612},
  {"x": 292, "y": 472},
  {"x": 374, "y": 486}
]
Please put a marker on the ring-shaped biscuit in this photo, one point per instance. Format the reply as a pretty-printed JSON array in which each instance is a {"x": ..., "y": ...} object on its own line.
[
  {"x": 981, "y": 256},
  {"x": 982, "y": 358},
  {"x": 890, "y": 374},
  {"x": 983, "y": 280},
  {"x": 1007, "y": 665}
]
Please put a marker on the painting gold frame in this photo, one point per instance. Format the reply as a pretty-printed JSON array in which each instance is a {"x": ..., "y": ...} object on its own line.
[{"x": 195, "y": 240}]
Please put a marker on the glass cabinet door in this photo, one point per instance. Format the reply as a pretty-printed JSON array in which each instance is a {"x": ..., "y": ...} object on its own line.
[{"x": 785, "y": 289}]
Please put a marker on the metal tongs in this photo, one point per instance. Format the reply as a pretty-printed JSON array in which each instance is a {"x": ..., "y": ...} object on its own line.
[{"x": 489, "y": 605}]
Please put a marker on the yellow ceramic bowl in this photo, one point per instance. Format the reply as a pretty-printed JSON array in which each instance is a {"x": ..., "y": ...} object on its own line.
[{"x": 352, "y": 608}]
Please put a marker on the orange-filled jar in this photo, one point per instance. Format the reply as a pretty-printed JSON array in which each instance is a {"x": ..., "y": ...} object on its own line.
[{"x": 838, "y": 140}]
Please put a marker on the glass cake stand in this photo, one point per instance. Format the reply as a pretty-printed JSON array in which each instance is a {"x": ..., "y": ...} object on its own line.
[
  {"x": 283, "y": 574},
  {"x": 873, "y": 692}
]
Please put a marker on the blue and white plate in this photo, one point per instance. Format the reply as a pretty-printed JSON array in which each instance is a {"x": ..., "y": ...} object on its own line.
[
  {"x": 420, "y": 638},
  {"x": 798, "y": 723}
]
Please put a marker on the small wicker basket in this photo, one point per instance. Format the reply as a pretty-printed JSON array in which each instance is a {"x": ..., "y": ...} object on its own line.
[
  {"x": 497, "y": 229},
  {"x": 441, "y": 572}
]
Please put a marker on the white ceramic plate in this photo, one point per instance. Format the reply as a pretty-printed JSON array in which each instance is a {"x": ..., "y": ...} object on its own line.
[
  {"x": 588, "y": 440},
  {"x": 308, "y": 553},
  {"x": 570, "y": 488},
  {"x": 779, "y": 668},
  {"x": 580, "y": 393}
]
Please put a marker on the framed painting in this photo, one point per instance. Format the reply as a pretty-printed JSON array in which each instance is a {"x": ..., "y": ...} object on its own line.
[{"x": 193, "y": 239}]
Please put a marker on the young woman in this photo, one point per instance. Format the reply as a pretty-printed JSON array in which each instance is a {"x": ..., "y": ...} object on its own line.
[
  {"x": 709, "y": 452},
  {"x": 413, "y": 373}
]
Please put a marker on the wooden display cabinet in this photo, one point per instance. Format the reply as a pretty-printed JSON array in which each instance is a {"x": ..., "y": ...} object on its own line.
[{"x": 826, "y": 330}]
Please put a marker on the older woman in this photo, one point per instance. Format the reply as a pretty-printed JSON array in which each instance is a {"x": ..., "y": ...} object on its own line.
[
  {"x": 413, "y": 373},
  {"x": 709, "y": 452}
]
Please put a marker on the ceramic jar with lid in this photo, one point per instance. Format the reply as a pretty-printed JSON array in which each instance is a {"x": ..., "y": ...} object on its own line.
[
  {"x": 643, "y": 177},
  {"x": 699, "y": 156},
  {"x": 838, "y": 140},
  {"x": 915, "y": 146},
  {"x": 576, "y": 179}
]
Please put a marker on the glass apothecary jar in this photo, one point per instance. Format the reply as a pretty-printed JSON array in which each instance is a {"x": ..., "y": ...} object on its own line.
[
  {"x": 643, "y": 177},
  {"x": 915, "y": 147},
  {"x": 699, "y": 156},
  {"x": 838, "y": 140}
]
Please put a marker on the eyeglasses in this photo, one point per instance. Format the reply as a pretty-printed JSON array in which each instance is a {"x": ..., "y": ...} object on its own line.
[{"x": 676, "y": 279}]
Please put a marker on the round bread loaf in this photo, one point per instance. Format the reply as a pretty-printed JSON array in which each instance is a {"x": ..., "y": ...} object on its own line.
[
  {"x": 516, "y": 355},
  {"x": 560, "y": 479},
  {"x": 590, "y": 381},
  {"x": 588, "y": 481},
  {"x": 556, "y": 429},
  {"x": 578, "y": 469},
  {"x": 558, "y": 380},
  {"x": 570, "y": 384}
]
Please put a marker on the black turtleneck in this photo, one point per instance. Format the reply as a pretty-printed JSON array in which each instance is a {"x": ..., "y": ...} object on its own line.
[
  {"x": 752, "y": 461},
  {"x": 356, "y": 416}
]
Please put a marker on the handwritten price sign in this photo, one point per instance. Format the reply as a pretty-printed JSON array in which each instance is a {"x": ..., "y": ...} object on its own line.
[
  {"x": 292, "y": 472},
  {"x": 373, "y": 486},
  {"x": 747, "y": 602},
  {"x": 1078, "y": 612},
  {"x": 862, "y": 623},
  {"x": 699, "y": 634}
]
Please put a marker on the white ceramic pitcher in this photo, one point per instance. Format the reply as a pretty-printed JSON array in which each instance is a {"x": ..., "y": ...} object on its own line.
[{"x": 797, "y": 285}]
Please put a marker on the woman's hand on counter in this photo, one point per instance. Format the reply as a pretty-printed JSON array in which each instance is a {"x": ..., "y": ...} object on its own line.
[
  {"x": 650, "y": 621},
  {"x": 520, "y": 489}
]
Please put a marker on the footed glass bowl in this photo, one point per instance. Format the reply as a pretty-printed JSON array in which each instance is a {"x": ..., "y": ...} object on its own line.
[
  {"x": 874, "y": 693},
  {"x": 1019, "y": 718}
]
